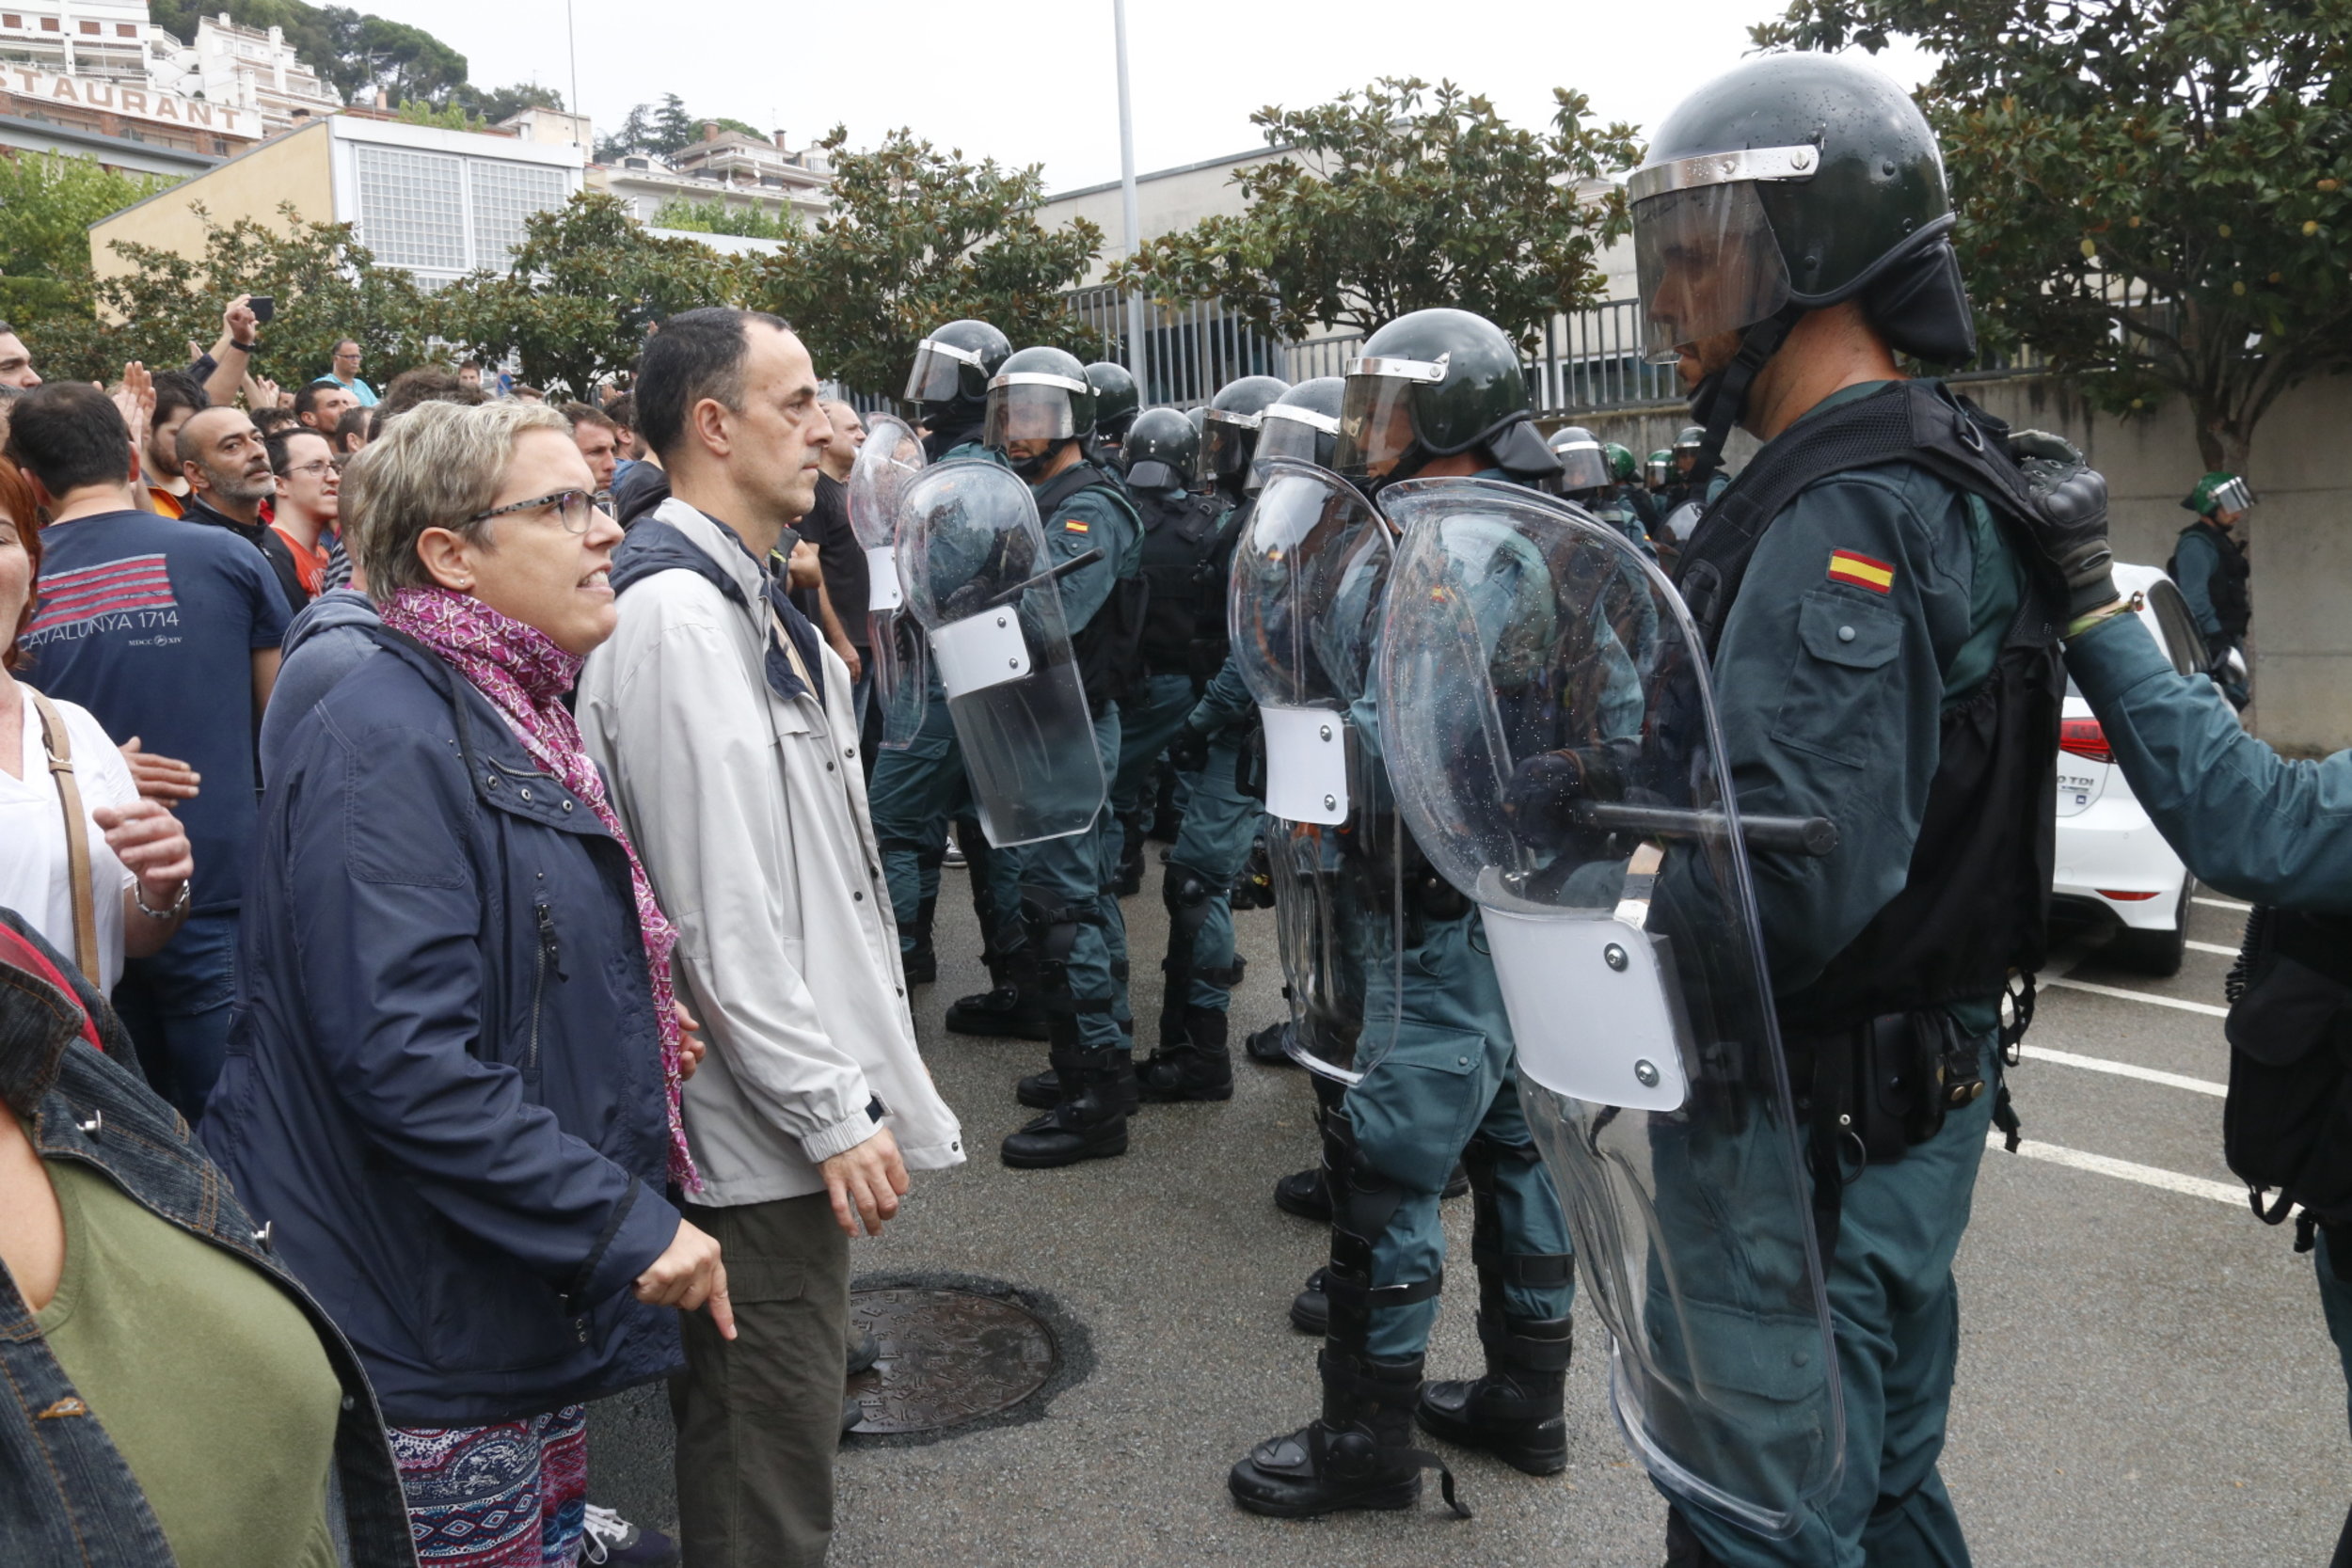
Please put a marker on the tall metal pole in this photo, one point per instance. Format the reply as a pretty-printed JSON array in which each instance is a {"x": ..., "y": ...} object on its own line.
[
  {"x": 571, "y": 35},
  {"x": 1138, "y": 364}
]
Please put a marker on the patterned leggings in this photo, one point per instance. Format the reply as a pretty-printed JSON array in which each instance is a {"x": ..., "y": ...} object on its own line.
[{"x": 510, "y": 1495}]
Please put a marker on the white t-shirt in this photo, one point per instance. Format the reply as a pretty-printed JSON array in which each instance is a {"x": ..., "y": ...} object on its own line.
[{"x": 35, "y": 869}]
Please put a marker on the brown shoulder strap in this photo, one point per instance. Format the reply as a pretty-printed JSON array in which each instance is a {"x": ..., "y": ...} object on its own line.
[{"x": 60, "y": 748}]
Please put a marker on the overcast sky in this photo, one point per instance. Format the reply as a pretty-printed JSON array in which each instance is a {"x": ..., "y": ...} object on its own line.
[{"x": 1036, "y": 82}]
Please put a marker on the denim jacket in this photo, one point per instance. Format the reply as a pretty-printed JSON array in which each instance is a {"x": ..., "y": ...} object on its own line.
[{"x": 66, "y": 1495}]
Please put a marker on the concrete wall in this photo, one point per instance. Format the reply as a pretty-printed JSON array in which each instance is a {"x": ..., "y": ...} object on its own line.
[
  {"x": 293, "y": 167},
  {"x": 2300, "y": 544},
  {"x": 1166, "y": 201}
]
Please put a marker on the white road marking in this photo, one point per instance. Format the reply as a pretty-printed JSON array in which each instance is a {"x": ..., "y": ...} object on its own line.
[
  {"x": 2127, "y": 1070},
  {"x": 2195, "y": 946},
  {"x": 2206, "y": 1007},
  {"x": 2147, "y": 1175},
  {"x": 2220, "y": 903}
]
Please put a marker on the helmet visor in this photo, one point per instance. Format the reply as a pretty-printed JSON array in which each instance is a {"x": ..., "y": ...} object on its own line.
[
  {"x": 1377, "y": 427},
  {"x": 1581, "y": 467},
  {"x": 1025, "y": 409},
  {"x": 2232, "y": 497},
  {"x": 1227, "y": 442},
  {"x": 1705, "y": 262},
  {"x": 938, "y": 372},
  {"x": 1290, "y": 431}
]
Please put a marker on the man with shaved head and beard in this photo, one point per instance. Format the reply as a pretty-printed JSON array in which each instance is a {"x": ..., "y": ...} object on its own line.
[{"x": 228, "y": 472}]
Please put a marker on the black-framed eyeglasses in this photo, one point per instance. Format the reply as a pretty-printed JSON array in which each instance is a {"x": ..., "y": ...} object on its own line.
[{"x": 573, "y": 509}]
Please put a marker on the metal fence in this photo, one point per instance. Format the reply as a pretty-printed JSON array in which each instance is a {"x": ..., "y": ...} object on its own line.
[{"x": 1589, "y": 360}]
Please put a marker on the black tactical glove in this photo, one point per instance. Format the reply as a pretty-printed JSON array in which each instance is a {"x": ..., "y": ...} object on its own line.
[
  {"x": 2071, "y": 498},
  {"x": 1189, "y": 750},
  {"x": 1543, "y": 791}
]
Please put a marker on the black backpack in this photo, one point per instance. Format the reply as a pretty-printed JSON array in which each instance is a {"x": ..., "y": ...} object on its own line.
[{"x": 2287, "y": 1127}]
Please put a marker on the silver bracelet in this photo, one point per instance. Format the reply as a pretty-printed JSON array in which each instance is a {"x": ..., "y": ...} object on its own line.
[{"x": 179, "y": 905}]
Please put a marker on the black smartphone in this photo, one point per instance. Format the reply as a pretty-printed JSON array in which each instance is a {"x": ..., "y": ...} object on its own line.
[{"x": 263, "y": 306}]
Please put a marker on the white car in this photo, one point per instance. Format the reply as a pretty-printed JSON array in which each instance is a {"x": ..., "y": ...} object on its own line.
[{"x": 2113, "y": 868}]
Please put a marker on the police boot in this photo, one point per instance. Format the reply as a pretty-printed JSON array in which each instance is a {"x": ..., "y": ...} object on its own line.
[
  {"x": 1514, "y": 1411},
  {"x": 920, "y": 959},
  {"x": 1042, "y": 1091},
  {"x": 1199, "y": 1067},
  {"x": 1127, "y": 879},
  {"x": 1090, "y": 1124},
  {"x": 1306, "y": 1193},
  {"x": 1311, "y": 1310},
  {"x": 1359, "y": 1454},
  {"x": 1006, "y": 1010},
  {"x": 1167, "y": 822},
  {"x": 1264, "y": 1046}
]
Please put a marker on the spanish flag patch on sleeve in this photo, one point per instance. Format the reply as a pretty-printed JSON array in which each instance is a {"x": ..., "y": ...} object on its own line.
[
  {"x": 1860, "y": 570},
  {"x": 1075, "y": 526}
]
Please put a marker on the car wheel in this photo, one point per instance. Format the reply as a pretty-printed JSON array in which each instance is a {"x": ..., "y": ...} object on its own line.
[{"x": 2156, "y": 952}]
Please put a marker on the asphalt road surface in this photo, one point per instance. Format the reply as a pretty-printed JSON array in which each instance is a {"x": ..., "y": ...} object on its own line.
[{"x": 2145, "y": 1378}]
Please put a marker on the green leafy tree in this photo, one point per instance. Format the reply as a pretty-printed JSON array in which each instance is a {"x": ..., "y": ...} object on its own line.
[
  {"x": 2152, "y": 196},
  {"x": 588, "y": 283},
  {"x": 47, "y": 204},
  {"x": 452, "y": 116},
  {"x": 354, "y": 52},
  {"x": 916, "y": 237},
  {"x": 503, "y": 103},
  {"x": 673, "y": 127},
  {"x": 1398, "y": 198},
  {"x": 328, "y": 287},
  {"x": 715, "y": 216}
]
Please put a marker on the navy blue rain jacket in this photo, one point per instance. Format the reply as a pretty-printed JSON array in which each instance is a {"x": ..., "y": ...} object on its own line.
[{"x": 443, "y": 1089}]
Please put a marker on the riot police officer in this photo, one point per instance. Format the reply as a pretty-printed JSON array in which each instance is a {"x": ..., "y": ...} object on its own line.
[
  {"x": 1116, "y": 401},
  {"x": 1434, "y": 394},
  {"x": 1181, "y": 531},
  {"x": 1193, "y": 1060},
  {"x": 1883, "y": 651},
  {"x": 1040, "y": 413},
  {"x": 1632, "y": 495},
  {"x": 916, "y": 789},
  {"x": 949, "y": 382},
  {"x": 2209, "y": 565}
]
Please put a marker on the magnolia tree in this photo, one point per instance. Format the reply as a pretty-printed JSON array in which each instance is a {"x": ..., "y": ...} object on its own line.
[
  {"x": 1401, "y": 197},
  {"x": 2152, "y": 195}
]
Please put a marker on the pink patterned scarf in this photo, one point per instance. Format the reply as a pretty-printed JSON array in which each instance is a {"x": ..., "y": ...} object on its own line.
[{"x": 525, "y": 675}]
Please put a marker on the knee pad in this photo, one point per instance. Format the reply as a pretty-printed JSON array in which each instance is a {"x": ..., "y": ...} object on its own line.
[
  {"x": 1363, "y": 1204},
  {"x": 1499, "y": 1268},
  {"x": 1052, "y": 923},
  {"x": 1184, "y": 888}
]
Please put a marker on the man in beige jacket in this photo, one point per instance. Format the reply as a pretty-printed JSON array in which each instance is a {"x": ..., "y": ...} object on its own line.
[{"x": 724, "y": 727}]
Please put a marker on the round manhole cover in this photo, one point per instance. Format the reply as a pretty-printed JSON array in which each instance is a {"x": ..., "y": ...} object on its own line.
[{"x": 948, "y": 1357}]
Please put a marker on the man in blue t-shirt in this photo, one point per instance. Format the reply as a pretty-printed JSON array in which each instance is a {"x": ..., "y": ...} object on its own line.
[{"x": 167, "y": 631}]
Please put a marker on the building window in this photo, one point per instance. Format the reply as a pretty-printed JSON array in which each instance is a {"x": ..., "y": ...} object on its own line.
[
  {"x": 411, "y": 206},
  {"x": 89, "y": 28},
  {"x": 9, "y": 19},
  {"x": 49, "y": 24},
  {"x": 126, "y": 30},
  {"x": 503, "y": 196}
]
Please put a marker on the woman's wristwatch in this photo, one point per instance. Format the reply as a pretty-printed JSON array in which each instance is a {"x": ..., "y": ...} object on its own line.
[{"x": 178, "y": 907}]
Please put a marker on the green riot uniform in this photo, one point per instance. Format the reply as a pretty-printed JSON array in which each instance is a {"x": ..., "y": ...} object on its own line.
[
  {"x": 1881, "y": 656},
  {"x": 1820, "y": 723}
]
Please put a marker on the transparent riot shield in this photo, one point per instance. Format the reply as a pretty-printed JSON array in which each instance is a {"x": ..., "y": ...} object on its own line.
[
  {"x": 1308, "y": 574},
  {"x": 979, "y": 578},
  {"x": 1552, "y": 741},
  {"x": 892, "y": 455}
]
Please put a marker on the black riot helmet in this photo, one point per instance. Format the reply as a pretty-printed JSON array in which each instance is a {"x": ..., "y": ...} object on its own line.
[
  {"x": 953, "y": 365},
  {"x": 1432, "y": 384},
  {"x": 1303, "y": 422},
  {"x": 1116, "y": 400},
  {"x": 1582, "y": 465},
  {"x": 1162, "y": 450},
  {"x": 1197, "y": 416},
  {"x": 1793, "y": 183},
  {"x": 1230, "y": 439},
  {"x": 1039, "y": 394}
]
